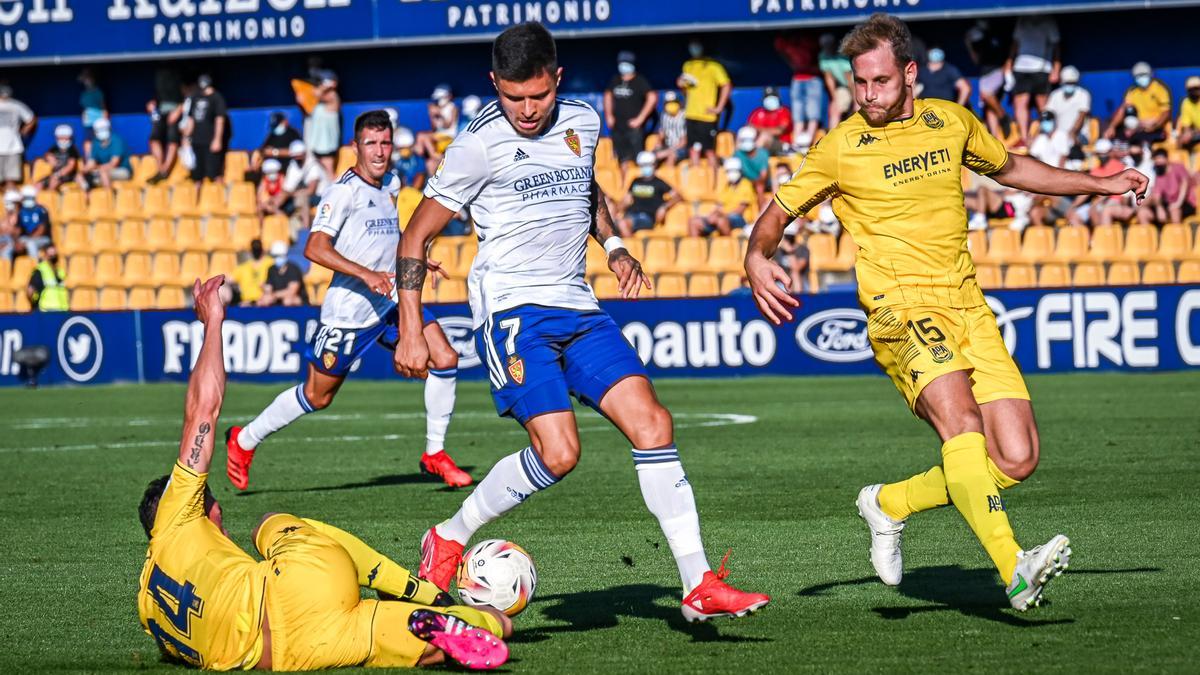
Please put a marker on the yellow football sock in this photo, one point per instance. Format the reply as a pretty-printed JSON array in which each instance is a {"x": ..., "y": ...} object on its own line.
[
  {"x": 1001, "y": 479},
  {"x": 975, "y": 495},
  {"x": 922, "y": 492},
  {"x": 377, "y": 571}
]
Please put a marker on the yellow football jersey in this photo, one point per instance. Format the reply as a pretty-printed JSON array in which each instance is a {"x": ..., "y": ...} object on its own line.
[
  {"x": 897, "y": 189},
  {"x": 200, "y": 596}
]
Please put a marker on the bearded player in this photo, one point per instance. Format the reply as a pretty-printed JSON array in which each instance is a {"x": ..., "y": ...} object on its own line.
[
  {"x": 356, "y": 234},
  {"x": 525, "y": 168},
  {"x": 210, "y": 605},
  {"x": 894, "y": 173}
]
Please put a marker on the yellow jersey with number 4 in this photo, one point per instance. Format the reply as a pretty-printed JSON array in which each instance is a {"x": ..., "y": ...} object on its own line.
[
  {"x": 199, "y": 595},
  {"x": 897, "y": 189}
]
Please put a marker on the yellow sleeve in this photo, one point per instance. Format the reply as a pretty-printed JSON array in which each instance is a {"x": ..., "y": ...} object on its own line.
[
  {"x": 814, "y": 182},
  {"x": 983, "y": 153},
  {"x": 720, "y": 76},
  {"x": 182, "y": 501}
]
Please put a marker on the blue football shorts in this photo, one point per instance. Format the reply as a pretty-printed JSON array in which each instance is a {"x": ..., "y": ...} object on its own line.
[{"x": 334, "y": 350}]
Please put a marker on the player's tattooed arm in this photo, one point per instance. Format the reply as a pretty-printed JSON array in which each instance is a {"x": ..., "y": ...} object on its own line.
[
  {"x": 602, "y": 223},
  {"x": 198, "y": 444},
  {"x": 630, "y": 277},
  {"x": 410, "y": 274}
]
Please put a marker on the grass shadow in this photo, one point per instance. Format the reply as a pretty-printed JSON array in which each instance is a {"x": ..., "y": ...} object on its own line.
[
  {"x": 590, "y": 610},
  {"x": 951, "y": 588},
  {"x": 378, "y": 481}
]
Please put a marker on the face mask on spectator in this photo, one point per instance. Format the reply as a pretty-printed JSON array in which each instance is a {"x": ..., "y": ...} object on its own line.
[
  {"x": 63, "y": 143},
  {"x": 279, "y": 129},
  {"x": 1142, "y": 81},
  {"x": 1070, "y": 89},
  {"x": 103, "y": 135},
  {"x": 1131, "y": 122},
  {"x": 733, "y": 175},
  {"x": 1160, "y": 169},
  {"x": 696, "y": 50},
  {"x": 771, "y": 103},
  {"x": 936, "y": 55},
  {"x": 746, "y": 145},
  {"x": 29, "y": 202},
  {"x": 782, "y": 177},
  {"x": 671, "y": 108},
  {"x": 1048, "y": 126},
  {"x": 280, "y": 260},
  {"x": 626, "y": 68},
  {"x": 646, "y": 171}
]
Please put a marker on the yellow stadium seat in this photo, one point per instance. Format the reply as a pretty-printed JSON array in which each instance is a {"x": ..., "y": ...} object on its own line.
[
  {"x": 988, "y": 275},
  {"x": 1141, "y": 243},
  {"x": 1123, "y": 274},
  {"x": 81, "y": 271},
  {"x": 1174, "y": 242},
  {"x": 144, "y": 168},
  {"x": 183, "y": 199},
  {"x": 100, "y": 205},
  {"x": 243, "y": 200},
  {"x": 725, "y": 254},
  {"x": 445, "y": 251},
  {"x": 170, "y": 297},
  {"x": 137, "y": 269},
  {"x": 1189, "y": 272},
  {"x": 1072, "y": 245},
  {"x": 194, "y": 266},
  {"x": 179, "y": 174},
  {"x": 187, "y": 234},
  {"x": 212, "y": 201},
  {"x": 104, "y": 236},
  {"x": 651, "y": 141},
  {"x": 670, "y": 286},
  {"x": 1158, "y": 272},
  {"x": 725, "y": 144},
  {"x": 41, "y": 169},
  {"x": 1054, "y": 275},
  {"x": 1107, "y": 243},
  {"x": 977, "y": 245},
  {"x": 1019, "y": 276},
  {"x": 75, "y": 240},
  {"x": 698, "y": 182},
  {"x": 318, "y": 275},
  {"x": 246, "y": 228},
  {"x": 52, "y": 202},
  {"x": 691, "y": 256},
  {"x": 222, "y": 262},
  {"x": 160, "y": 235},
  {"x": 108, "y": 269},
  {"x": 141, "y": 298},
  {"x": 74, "y": 206},
  {"x": 1004, "y": 245},
  {"x": 84, "y": 300},
  {"x": 6, "y": 301},
  {"x": 236, "y": 163},
  {"x": 1037, "y": 244},
  {"x": 156, "y": 202},
  {"x": 822, "y": 254},
  {"x": 131, "y": 235},
  {"x": 703, "y": 285},
  {"x": 660, "y": 256},
  {"x": 18, "y": 280},
  {"x": 346, "y": 158},
  {"x": 609, "y": 180},
  {"x": 428, "y": 293},
  {"x": 5, "y": 272},
  {"x": 112, "y": 299},
  {"x": 452, "y": 290},
  {"x": 847, "y": 252},
  {"x": 730, "y": 283},
  {"x": 406, "y": 203},
  {"x": 604, "y": 151},
  {"x": 316, "y": 293},
  {"x": 676, "y": 222},
  {"x": 1088, "y": 274},
  {"x": 128, "y": 204},
  {"x": 275, "y": 228},
  {"x": 596, "y": 260},
  {"x": 21, "y": 302},
  {"x": 218, "y": 236},
  {"x": 605, "y": 287},
  {"x": 164, "y": 272}
]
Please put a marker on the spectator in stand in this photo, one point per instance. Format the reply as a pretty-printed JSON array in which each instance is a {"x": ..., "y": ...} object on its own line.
[
  {"x": 324, "y": 132},
  {"x": 672, "y": 128},
  {"x": 942, "y": 80},
  {"x": 792, "y": 254},
  {"x": 33, "y": 221},
  {"x": 755, "y": 159},
  {"x": 91, "y": 101},
  {"x": 271, "y": 197},
  {"x": 839, "y": 80},
  {"x": 645, "y": 205},
  {"x": 1052, "y": 143},
  {"x": 63, "y": 157},
  {"x": 8, "y": 225},
  {"x": 251, "y": 275},
  {"x": 405, "y": 161},
  {"x": 16, "y": 121},
  {"x": 1033, "y": 65},
  {"x": 773, "y": 123},
  {"x": 1189, "y": 115},
  {"x": 1173, "y": 197},
  {"x": 285, "y": 281},
  {"x": 1151, "y": 100},
  {"x": 471, "y": 105},
  {"x": 708, "y": 87},
  {"x": 280, "y": 136},
  {"x": 1086, "y": 210},
  {"x": 443, "y": 124},
  {"x": 107, "y": 157},
  {"x": 1128, "y": 126},
  {"x": 209, "y": 129},
  {"x": 989, "y": 50},
  {"x": 1071, "y": 105},
  {"x": 305, "y": 181},
  {"x": 629, "y": 101},
  {"x": 47, "y": 289},
  {"x": 735, "y": 195},
  {"x": 800, "y": 50},
  {"x": 166, "y": 110}
]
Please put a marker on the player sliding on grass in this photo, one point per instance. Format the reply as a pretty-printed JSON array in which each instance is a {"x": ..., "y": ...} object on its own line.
[
  {"x": 356, "y": 234},
  {"x": 209, "y": 605},
  {"x": 525, "y": 167},
  {"x": 894, "y": 171}
]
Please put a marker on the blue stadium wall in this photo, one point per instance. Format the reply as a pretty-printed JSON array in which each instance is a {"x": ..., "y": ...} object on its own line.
[{"x": 1146, "y": 328}]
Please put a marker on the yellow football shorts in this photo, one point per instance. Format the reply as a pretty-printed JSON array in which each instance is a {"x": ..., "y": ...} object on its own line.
[{"x": 916, "y": 344}]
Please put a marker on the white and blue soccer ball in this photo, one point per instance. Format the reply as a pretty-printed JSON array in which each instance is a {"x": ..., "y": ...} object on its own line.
[{"x": 498, "y": 574}]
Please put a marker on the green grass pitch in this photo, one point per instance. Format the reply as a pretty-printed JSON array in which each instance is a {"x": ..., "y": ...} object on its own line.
[{"x": 776, "y": 464}]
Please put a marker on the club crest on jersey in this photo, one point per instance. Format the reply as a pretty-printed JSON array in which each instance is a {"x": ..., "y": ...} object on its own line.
[
  {"x": 516, "y": 368},
  {"x": 940, "y": 353},
  {"x": 931, "y": 120},
  {"x": 572, "y": 141},
  {"x": 329, "y": 359}
]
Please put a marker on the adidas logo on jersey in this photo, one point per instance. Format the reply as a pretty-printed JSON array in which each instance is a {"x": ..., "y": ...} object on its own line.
[
  {"x": 521, "y": 154},
  {"x": 370, "y": 204}
]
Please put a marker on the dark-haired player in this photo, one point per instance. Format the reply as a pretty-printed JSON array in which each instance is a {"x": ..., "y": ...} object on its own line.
[
  {"x": 894, "y": 173},
  {"x": 210, "y": 605},
  {"x": 356, "y": 234},
  {"x": 525, "y": 168}
]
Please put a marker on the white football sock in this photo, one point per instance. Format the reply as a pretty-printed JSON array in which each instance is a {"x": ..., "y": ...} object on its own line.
[
  {"x": 509, "y": 483},
  {"x": 439, "y": 407},
  {"x": 289, "y": 406},
  {"x": 668, "y": 495}
]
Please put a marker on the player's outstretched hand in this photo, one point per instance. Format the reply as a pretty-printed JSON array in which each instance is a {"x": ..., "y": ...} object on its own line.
[
  {"x": 1127, "y": 181},
  {"x": 206, "y": 298},
  {"x": 411, "y": 358},
  {"x": 378, "y": 282},
  {"x": 437, "y": 269},
  {"x": 765, "y": 279},
  {"x": 630, "y": 277}
]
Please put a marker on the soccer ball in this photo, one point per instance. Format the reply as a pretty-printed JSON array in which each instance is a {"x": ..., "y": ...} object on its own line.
[{"x": 499, "y": 574}]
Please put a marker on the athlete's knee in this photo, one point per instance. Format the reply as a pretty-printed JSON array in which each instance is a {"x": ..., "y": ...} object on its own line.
[
  {"x": 1018, "y": 458},
  {"x": 653, "y": 429},
  {"x": 318, "y": 400},
  {"x": 559, "y": 451},
  {"x": 444, "y": 359}
]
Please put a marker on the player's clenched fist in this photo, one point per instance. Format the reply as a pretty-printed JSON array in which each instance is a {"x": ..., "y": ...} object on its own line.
[
  {"x": 207, "y": 300},
  {"x": 1129, "y": 180},
  {"x": 411, "y": 358},
  {"x": 765, "y": 277},
  {"x": 378, "y": 282}
]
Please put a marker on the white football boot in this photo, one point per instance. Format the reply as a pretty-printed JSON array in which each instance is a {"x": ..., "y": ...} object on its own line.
[
  {"x": 885, "y": 536},
  {"x": 1035, "y": 568}
]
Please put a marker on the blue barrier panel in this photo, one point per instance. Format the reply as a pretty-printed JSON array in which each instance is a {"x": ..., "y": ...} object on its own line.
[{"x": 1139, "y": 329}]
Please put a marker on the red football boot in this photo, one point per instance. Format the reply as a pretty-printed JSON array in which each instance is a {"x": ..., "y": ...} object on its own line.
[
  {"x": 237, "y": 459},
  {"x": 439, "y": 464},
  {"x": 439, "y": 559},
  {"x": 713, "y": 598}
]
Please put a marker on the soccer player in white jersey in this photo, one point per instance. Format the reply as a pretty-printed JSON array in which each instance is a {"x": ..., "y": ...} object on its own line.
[
  {"x": 525, "y": 168},
  {"x": 356, "y": 234}
]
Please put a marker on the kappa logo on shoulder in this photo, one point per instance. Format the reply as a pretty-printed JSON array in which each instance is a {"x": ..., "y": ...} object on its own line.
[
  {"x": 867, "y": 139},
  {"x": 931, "y": 120}
]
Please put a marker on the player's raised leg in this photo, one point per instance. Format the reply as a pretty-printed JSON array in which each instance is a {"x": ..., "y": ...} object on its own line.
[
  {"x": 315, "y": 393},
  {"x": 439, "y": 407}
]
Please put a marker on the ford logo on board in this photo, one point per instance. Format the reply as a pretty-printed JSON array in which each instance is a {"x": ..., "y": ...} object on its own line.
[{"x": 837, "y": 335}]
